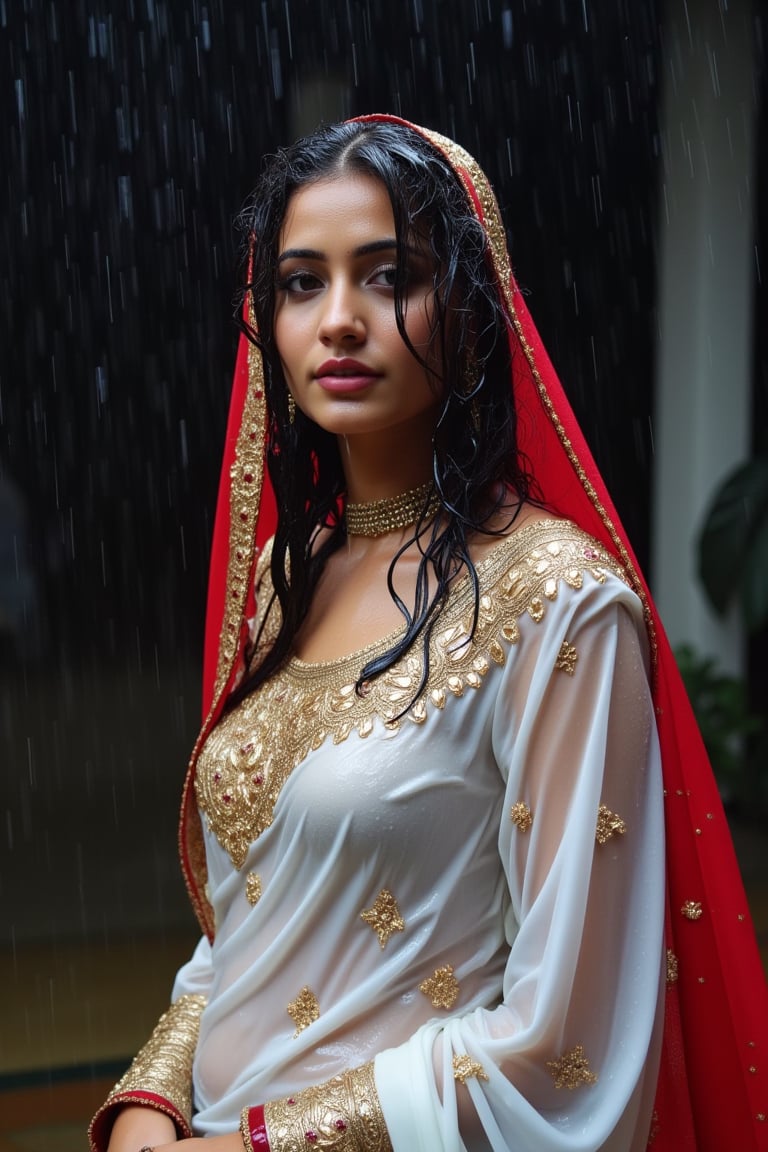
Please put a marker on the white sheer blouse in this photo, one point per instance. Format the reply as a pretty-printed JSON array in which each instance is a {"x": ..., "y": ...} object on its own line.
[{"x": 470, "y": 895}]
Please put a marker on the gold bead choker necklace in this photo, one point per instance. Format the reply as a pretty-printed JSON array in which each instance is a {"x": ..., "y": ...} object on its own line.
[{"x": 377, "y": 517}]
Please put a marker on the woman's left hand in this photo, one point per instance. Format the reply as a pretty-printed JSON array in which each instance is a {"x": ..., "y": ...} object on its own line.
[{"x": 232, "y": 1142}]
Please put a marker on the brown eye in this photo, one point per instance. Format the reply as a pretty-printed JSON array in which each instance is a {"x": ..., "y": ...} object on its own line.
[{"x": 299, "y": 283}]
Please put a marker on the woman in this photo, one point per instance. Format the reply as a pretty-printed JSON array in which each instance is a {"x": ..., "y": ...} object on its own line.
[{"x": 430, "y": 868}]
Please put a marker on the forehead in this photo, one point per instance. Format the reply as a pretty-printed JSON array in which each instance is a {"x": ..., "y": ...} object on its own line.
[{"x": 349, "y": 209}]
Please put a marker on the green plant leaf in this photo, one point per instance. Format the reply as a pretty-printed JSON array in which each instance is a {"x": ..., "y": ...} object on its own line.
[{"x": 731, "y": 547}]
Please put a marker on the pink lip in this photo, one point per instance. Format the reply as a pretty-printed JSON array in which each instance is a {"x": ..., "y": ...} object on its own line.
[{"x": 345, "y": 375}]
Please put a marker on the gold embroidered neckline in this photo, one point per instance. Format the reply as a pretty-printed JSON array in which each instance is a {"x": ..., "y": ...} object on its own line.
[
  {"x": 493, "y": 558},
  {"x": 253, "y": 750}
]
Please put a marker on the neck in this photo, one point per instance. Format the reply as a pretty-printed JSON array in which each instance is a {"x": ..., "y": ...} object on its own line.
[{"x": 384, "y": 466}]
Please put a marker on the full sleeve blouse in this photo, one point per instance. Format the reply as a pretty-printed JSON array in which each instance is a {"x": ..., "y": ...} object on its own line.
[{"x": 466, "y": 891}]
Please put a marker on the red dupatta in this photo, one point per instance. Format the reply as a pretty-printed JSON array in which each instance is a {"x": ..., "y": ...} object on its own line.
[{"x": 713, "y": 1084}]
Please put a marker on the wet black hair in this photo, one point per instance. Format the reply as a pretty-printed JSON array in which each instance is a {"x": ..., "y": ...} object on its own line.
[{"x": 475, "y": 462}]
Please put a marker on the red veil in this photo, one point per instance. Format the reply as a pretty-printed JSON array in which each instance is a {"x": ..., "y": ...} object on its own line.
[{"x": 713, "y": 1084}]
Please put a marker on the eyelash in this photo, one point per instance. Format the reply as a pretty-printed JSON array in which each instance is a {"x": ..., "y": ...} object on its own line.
[{"x": 287, "y": 283}]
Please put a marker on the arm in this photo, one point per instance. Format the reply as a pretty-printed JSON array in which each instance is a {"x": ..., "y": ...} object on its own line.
[
  {"x": 568, "y": 1059},
  {"x": 152, "y": 1103}
]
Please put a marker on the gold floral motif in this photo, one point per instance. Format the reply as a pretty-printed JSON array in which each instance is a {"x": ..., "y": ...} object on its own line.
[
  {"x": 246, "y": 476},
  {"x": 672, "y": 967},
  {"x": 571, "y": 1069},
  {"x": 304, "y": 1010},
  {"x": 163, "y": 1067},
  {"x": 520, "y": 815},
  {"x": 608, "y": 825},
  {"x": 442, "y": 987},
  {"x": 692, "y": 910},
  {"x": 464, "y": 1067},
  {"x": 343, "y": 1113},
  {"x": 253, "y": 888},
  {"x": 254, "y": 748},
  {"x": 384, "y": 917},
  {"x": 566, "y": 658}
]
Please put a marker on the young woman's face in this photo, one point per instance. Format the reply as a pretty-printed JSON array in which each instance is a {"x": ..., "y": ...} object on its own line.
[{"x": 343, "y": 357}]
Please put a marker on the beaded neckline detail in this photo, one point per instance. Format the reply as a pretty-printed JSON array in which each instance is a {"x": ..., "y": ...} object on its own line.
[{"x": 377, "y": 517}]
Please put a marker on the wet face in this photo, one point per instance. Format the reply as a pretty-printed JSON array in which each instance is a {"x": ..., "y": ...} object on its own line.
[{"x": 343, "y": 358}]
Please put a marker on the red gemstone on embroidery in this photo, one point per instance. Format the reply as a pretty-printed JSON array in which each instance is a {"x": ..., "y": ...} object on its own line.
[
  {"x": 258, "y": 779},
  {"x": 226, "y": 797},
  {"x": 244, "y": 517},
  {"x": 248, "y": 477},
  {"x": 310, "y": 1137},
  {"x": 590, "y": 553},
  {"x": 217, "y": 776},
  {"x": 291, "y": 1100},
  {"x": 340, "y": 1126}
]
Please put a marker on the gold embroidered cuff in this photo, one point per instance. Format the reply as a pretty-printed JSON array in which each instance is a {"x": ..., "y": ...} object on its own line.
[
  {"x": 163, "y": 1067},
  {"x": 343, "y": 1113}
]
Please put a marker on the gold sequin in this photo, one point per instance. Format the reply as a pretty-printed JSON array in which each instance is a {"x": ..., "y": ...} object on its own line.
[
  {"x": 654, "y": 1128},
  {"x": 304, "y": 1010},
  {"x": 521, "y": 816},
  {"x": 384, "y": 917},
  {"x": 442, "y": 987},
  {"x": 254, "y": 748},
  {"x": 344, "y": 1113},
  {"x": 253, "y": 888},
  {"x": 566, "y": 659},
  {"x": 608, "y": 825},
  {"x": 672, "y": 967},
  {"x": 692, "y": 910},
  {"x": 571, "y": 1069},
  {"x": 163, "y": 1067},
  {"x": 464, "y": 1067}
]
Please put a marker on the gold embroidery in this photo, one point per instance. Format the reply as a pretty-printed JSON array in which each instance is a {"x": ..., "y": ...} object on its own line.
[
  {"x": 253, "y": 888},
  {"x": 692, "y": 910},
  {"x": 566, "y": 658},
  {"x": 304, "y": 1010},
  {"x": 608, "y": 825},
  {"x": 520, "y": 815},
  {"x": 571, "y": 1069},
  {"x": 464, "y": 1067},
  {"x": 253, "y": 749},
  {"x": 442, "y": 987},
  {"x": 654, "y": 1128},
  {"x": 344, "y": 1113},
  {"x": 246, "y": 476},
  {"x": 672, "y": 967},
  {"x": 479, "y": 189},
  {"x": 164, "y": 1065},
  {"x": 384, "y": 917}
]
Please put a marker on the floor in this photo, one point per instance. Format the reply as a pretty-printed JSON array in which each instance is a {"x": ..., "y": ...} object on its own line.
[{"x": 75, "y": 1012}]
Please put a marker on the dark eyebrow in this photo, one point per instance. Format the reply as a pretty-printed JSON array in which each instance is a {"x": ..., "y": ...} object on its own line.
[{"x": 386, "y": 245}]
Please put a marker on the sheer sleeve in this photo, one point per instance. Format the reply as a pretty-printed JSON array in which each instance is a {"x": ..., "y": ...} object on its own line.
[
  {"x": 160, "y": 1077},
  {"x": 568, "y": 1059}
]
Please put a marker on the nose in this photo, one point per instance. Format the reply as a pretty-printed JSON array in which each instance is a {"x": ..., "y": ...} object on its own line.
[{"x": 341, "y": 319}]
